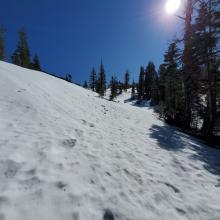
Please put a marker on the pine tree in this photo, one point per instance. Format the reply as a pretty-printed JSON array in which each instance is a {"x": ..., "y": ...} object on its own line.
[
  {"x": 93, "y": 80},
  {"x": 162, "y": 84},
  {"x": 101, "y": 82},
  {"x": 36, "y": 63},
  {"x": 155, "y": 91},
  {"x": 113, "y": 88},
  {"x": 141, "y": 85},
  {"x": 85, "y": 85},
  {"x": 207, "y": 47},
  {"x": 217, "y": 125},
  {"x": 21, "y": 56},
  {"x": 187, "y": 64},
  {"x": 189, "y": 92},
  {"x": 15, "y": 58},
  {"x": 170, "y": 84},
  {"x": 120, "y": 87},
  {"x": 150, "y": 77},
  {"x": 126, "y": 80},
  {"x": 2, "y": 44},
  {"x": 68, "y": 78},
  {"x": 133, "y": 90}
]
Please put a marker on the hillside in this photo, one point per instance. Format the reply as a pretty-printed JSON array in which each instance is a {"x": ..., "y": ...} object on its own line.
[{"x": 67, "y": 154}]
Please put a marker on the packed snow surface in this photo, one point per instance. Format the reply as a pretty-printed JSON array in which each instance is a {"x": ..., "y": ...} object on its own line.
[{"x": 67, "y": 154}]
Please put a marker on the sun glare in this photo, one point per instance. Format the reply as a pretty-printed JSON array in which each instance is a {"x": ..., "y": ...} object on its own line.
[{"x": 172, "y": 6}]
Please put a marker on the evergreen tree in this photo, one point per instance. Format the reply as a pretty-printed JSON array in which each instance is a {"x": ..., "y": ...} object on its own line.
[
  {"x": 101, "y": 82},
  {"x": 187, "y": 64},
  {"x": 120, "y": 87},
  {"x": 21, "y": 56},
  {"x": 162, "y": 83},
  {"x": 155, "y": 91},
  {"x": 189, "y": 92},
  {"x": 113, "y": 88},
  {"x": 68, "y": 78},
  {"x": 170, "y": 84},
  {"x": 2, "y": 44},
  {"x": 126, "y": 80},
  {"x": 133, "y": 90},
  {"x": 141, "y": 84},
  {"x": 85, "y": 85},
  {"x": 93, "y": 80},
  {"x": 36, "y": 63},
  {"x": 207, "y": 48},
  {"x": 150, "y": 77},
  {"x": 217, "y": 124},
  {"x": 15, "y": 58}
]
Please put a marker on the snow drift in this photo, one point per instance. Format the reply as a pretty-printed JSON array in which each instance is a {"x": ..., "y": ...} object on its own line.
[{"x": 67, "y": 154}]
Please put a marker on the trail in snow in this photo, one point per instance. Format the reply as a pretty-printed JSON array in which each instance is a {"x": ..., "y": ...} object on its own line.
[{"x": 67, "y": 154}]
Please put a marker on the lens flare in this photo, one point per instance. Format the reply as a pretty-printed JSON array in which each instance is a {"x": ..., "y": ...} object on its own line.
[{"x": 172, "y": 6}]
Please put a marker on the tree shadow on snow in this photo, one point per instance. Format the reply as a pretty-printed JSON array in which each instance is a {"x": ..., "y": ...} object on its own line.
[
  {"x": 140, "y": 104},
  {"x": 169, "y": 138}
]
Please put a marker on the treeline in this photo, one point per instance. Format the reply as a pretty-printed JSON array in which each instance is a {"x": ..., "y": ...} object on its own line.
[
  {"x": 98, "y": 83},
  {"x": 186, "y": 88},
  {"x": 21, "y": 56},
  {"x": 189, "y": 78}
]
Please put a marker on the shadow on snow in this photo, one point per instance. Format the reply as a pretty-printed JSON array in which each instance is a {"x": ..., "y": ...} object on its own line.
[
  {"x": 169, "y": 138},
  {"x": 140, "y": 104}
]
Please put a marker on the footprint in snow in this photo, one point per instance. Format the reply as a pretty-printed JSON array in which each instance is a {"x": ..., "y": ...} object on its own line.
[
  {"x": 60, "y": 185},
  {"x": 79, "y": 132},
  {"x": 108, "y": 215},
  {"x": 69, "y": 143},
  {"x": 109, "y": 174},
  {"x": 21, "y": 90},
  {"x": 135, "y": 176},
  {"x": 174, "y": 188},
  {"x": 10, "y": 168},
  {"x": 30, "y": 183},
  {"x": 31, "y": 172},
  {"x": 181, "y": 211},
  {"x": 84, "y": 122},
  {"x": 91, "y": 125}
]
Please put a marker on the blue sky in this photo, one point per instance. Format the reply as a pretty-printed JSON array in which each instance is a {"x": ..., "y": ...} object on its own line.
[{"x": 72, "y": 36}]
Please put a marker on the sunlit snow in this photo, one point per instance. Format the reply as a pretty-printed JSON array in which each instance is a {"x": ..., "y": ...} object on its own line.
[{"x": 67, "y": 154}]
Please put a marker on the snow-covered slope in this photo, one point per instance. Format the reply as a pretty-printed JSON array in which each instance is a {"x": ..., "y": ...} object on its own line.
[
  {"x": 125, "y": 97},
  {"x": 67, "y": 154}
]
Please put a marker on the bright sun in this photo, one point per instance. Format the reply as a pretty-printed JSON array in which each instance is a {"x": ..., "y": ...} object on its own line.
[{"x": 172, "y": 6}]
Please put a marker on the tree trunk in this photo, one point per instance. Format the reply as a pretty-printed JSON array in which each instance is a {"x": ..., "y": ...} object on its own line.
[
  {"x": 187, "y": 64},
  {"x": 209, "y": 121}
]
